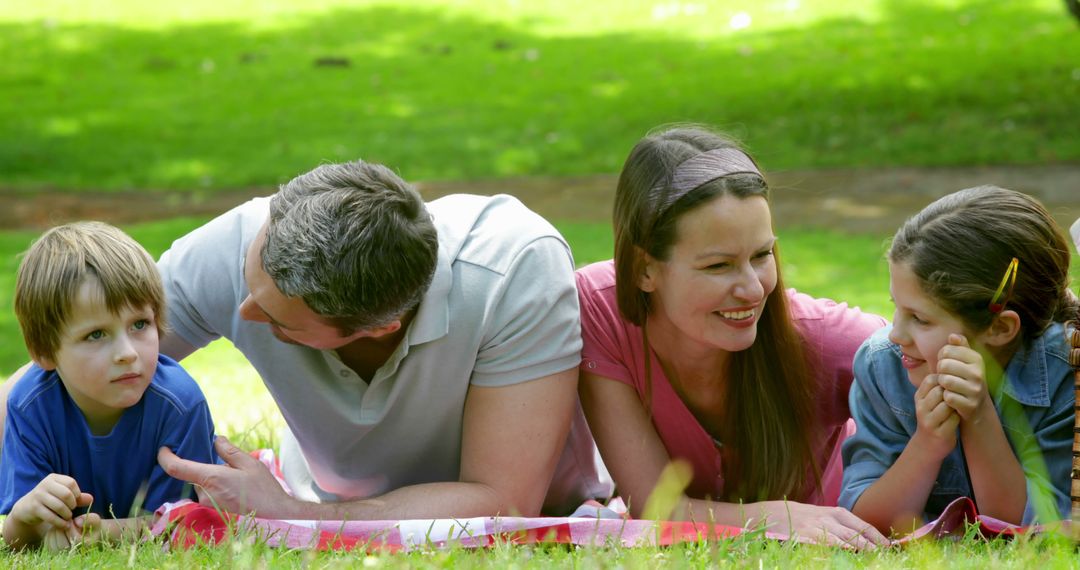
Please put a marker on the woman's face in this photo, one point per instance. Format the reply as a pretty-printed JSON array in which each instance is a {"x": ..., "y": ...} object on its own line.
[{"x": 712, "y": 289}]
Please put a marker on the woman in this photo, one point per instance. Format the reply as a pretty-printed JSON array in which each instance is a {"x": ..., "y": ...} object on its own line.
[{"x": 674, "y": 366}]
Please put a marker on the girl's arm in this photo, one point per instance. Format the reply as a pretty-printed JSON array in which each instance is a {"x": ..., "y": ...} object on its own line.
[
  {"x": 997, "y": 478},
  {"x": 636, "y": 457},
  {"x": 897, "y": 500}
]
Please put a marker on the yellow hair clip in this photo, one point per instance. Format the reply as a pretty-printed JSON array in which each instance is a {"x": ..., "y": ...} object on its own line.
[{"x": 1010, "y": 279}]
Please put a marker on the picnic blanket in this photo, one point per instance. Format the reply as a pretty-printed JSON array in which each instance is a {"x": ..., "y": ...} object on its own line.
[{"x": 188, "y": 524}]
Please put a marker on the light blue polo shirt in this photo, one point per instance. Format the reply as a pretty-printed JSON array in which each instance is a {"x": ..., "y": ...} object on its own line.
[{"x": 502, "y": 309}]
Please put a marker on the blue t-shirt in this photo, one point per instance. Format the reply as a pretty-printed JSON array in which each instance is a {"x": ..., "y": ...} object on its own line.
[
  {"x": 47, "y": 433},
  {"x": 1038, "y": 386}
]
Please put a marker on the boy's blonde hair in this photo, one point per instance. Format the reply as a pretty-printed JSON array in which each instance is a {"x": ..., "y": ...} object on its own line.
[{"x": 57, "y": 264}]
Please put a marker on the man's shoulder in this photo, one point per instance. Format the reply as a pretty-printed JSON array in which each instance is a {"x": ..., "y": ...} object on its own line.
[
  {"x": 491, "y": 231},
  {"x": 225, "y": 234}
]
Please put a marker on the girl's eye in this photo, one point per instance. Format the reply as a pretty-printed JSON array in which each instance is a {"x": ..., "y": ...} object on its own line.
[
  {"x": 918, "y": 320},
  {"x": 765, "y": 253}
]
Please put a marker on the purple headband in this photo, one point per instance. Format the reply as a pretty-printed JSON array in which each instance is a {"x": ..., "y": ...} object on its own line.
[{"x": 704, "y": 168}]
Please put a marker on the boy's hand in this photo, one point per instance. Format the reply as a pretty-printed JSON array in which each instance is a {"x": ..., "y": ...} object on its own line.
[
  {"x": 962, "y": 373},
  {"x": 937, "y": 422},
  {"x": 51, "y": 502}
]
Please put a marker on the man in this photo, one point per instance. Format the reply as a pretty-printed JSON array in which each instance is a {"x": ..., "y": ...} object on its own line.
[{"x": 424, "y": 357}]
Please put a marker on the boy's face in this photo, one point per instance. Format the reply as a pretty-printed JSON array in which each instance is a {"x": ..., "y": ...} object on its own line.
[
  {"x": 106, "y": 361},
  {"x": 920, "y": 325}
]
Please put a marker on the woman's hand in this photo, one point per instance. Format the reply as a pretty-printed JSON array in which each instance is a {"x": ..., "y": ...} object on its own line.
[{"x": 826, "y": 525}]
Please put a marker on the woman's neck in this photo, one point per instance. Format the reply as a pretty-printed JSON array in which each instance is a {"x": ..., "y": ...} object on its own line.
[{"x": 691, "y": 362}]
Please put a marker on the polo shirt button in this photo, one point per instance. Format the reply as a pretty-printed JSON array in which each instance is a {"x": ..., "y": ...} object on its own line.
[
  {"x": 591, "y": 364},
  {"x": 344, "y": 373}
]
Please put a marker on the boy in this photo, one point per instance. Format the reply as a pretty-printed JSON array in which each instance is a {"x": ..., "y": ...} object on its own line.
[{"x": 84, "y": 426}]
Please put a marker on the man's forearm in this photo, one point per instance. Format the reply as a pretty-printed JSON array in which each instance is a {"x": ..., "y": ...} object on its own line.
[{"x": 426, "y": 501}]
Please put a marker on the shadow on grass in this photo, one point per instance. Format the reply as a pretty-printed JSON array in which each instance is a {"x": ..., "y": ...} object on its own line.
[{"x": 440, "y": 95}]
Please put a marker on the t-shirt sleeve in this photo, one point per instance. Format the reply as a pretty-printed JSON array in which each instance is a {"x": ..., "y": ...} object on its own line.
[
  {"x": 879, "y": 438},
  {"x": 535, "y": 328},
  {"x": 604, "y": 351},
  {"x": 201, "y": 274},
  {"x": 190, "y": 436},
  {"x": 23, "y": 461},
  {"x": 834, "y": 332}
]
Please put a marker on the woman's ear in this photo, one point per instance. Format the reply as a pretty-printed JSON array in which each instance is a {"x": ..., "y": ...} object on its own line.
[
  {"x": 649, "y": 270},
  {"x": 1003, "y": 329}
]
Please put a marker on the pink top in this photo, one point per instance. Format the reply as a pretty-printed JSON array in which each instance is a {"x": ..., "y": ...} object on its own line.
[{"x": 613, "y": 349}]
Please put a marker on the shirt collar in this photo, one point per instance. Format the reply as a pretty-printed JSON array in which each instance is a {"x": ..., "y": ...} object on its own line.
[{"x": 1028, "y": 372}]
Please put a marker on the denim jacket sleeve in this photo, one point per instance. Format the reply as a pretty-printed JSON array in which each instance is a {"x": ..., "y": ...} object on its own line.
[
  {"x": 1042, "y": 383},
  {"x": 877, "y": 405}
]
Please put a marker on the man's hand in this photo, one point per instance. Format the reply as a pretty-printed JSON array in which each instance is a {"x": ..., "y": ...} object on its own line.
[
  {"x": 937, "y": 422},
  {"x": 962, "y": 374},
  {"x": 242, "y": 486}
]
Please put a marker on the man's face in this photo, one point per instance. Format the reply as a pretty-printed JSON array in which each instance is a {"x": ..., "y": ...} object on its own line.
[{"x": 289, "y": 318}]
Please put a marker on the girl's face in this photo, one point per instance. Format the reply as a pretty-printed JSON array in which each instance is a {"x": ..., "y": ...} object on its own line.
[
  {"x": 712, "y": 289},
  {"x": 920, "y": 325}
]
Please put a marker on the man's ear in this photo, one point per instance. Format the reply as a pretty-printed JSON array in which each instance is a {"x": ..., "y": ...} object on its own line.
[
  {"x": 1003, "y": 329},
  {"x": 649, "y": 270}
]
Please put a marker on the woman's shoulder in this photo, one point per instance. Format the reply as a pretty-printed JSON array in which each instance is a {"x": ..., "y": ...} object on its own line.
[
  {"x": 843, "y": 325},
  {"x": 596, "y": 278}
]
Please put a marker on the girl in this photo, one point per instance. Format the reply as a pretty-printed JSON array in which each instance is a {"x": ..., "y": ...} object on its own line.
[
  {"x": 969, "y": 393},
  {"x": 694, "y": 352}
]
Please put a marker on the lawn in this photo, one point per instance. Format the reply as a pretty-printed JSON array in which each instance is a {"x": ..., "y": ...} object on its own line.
[{"x": 202, "y": 95}]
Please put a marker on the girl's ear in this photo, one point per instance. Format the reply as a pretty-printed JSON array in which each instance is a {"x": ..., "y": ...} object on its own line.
[
  {"x": 649, "y": 270},
  {"x": 1003, "y": 329}
]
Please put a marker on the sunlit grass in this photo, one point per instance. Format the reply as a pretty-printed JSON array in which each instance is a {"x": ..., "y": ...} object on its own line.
[
  {"x": 207, "y": 95},
  {"x": 823, "y": 263}
]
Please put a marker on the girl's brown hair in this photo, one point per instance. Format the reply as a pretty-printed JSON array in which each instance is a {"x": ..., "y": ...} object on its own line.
[
  {"x": 961, "y": 245},
  {"x": 770, "y": 416}
]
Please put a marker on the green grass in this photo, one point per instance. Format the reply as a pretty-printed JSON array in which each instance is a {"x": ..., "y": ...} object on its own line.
[
  {"x": 202, "y": 95},
  {"x": 822, "y": 263},
  {"x": 740, "y": 552}
]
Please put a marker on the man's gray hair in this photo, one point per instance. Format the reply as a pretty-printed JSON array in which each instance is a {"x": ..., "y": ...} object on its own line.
[{"x": 354, "y": 241}]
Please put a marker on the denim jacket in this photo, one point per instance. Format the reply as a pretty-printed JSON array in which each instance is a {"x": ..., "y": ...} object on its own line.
[{"x": 882, "y": 400}]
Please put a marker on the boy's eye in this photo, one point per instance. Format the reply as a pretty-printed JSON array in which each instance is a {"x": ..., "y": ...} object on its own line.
[
  {"x": 96, "y": 335},
  {"x": 141, "y": 324}
]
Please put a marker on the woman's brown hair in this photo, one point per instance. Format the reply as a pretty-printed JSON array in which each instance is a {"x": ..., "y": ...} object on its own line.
[{"x": 770, "y": 412}]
